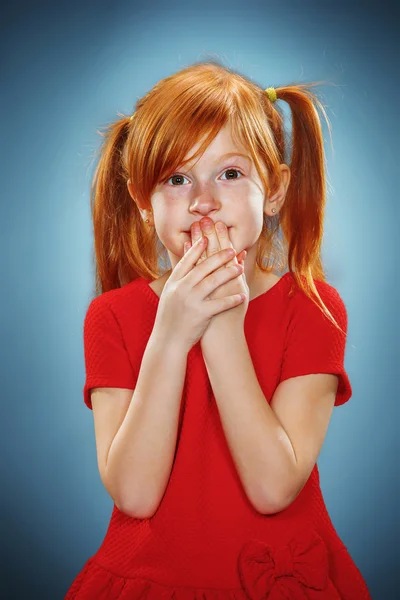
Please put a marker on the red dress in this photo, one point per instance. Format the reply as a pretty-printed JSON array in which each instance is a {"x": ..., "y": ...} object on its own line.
[{"x": 206, "y": 541}]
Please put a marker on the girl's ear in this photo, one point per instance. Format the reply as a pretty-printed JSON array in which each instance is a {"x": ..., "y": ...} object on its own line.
[
  {"x": 129, "y": 185},
  {"x": 278, "y": 198},
  {"x": 130, "y": 190}
]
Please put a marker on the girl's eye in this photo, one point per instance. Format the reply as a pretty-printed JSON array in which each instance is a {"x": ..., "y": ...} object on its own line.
[
  {"x": 183, "y": 177},
  {"x": 175, "y": 177},
  {"x": 233, "y": 171}
]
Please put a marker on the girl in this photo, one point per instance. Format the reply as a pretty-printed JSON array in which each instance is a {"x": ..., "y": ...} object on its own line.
[{"x": 212, "y": 383}]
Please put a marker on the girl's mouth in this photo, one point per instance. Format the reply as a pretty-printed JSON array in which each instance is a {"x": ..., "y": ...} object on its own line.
[{"x": 189, "y": 233}]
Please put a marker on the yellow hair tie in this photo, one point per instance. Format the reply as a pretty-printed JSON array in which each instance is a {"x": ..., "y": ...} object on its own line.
[
  {"x": 272, "y": 94},
  {"x": 270, "y": 91}
]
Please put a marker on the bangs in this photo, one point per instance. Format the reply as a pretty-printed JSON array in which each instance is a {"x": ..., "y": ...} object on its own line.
[{"x": 191, "y": 110}]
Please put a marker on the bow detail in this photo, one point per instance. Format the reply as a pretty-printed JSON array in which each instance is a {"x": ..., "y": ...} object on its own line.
[{"x": 283, "y": 573}]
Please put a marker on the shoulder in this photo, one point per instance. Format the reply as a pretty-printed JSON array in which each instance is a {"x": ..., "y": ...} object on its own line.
[
  {"x": 115, "y": 300},
  {"x": 325, "y": 290},
  {"x": 115, "y": 312},
  {"x": 303, "y": 304}
]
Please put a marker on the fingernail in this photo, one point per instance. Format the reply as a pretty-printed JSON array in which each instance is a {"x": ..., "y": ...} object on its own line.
[{"x": 206, "y": 225}]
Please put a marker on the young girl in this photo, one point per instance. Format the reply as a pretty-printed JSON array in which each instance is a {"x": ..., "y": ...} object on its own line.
[{"x": 212, "y": 383}]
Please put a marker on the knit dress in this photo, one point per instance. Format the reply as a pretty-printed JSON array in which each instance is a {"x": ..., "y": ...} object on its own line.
[{"x": 206, "y": 541}]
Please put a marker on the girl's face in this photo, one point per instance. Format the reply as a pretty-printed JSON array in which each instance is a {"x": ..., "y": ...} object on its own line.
[{"x": 224, "y": 185}]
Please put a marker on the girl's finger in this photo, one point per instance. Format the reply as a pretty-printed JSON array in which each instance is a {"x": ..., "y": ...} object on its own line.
[
  {"x": 184, "y": 265},
  {"x": 186, "y": 247},
  {"x": 224, "y": 241},
  {"x": 240, "y": 257},
  {"x": 194, "y": 237}
]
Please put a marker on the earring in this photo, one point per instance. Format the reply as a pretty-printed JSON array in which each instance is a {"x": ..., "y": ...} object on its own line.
[
  {"x": 273, "y": 210},
  {"x": 148, "y": 220}
]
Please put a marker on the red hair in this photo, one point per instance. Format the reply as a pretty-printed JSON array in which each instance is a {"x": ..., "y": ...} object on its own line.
[{"x": 178, "y": 111}]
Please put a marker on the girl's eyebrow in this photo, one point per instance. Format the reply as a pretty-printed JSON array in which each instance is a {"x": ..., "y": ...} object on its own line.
[
  {"x": 232, "y": 154},
  {"x": 235, "y": 154}
]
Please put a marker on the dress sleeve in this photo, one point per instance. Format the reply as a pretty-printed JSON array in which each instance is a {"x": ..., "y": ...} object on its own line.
[
  {"x": 107, "y": 362},
  {"x": 314, "y": 344}
]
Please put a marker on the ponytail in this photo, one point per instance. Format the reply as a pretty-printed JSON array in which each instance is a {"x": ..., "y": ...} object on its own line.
[{"x": 118, "y": 229}]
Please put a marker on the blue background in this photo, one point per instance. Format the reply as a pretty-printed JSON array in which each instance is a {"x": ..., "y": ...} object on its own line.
[{"x": 67, "y": 69}]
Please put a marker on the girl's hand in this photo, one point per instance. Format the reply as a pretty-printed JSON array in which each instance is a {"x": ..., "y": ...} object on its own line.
[
  {"x": 185, "y": 308},
  {"x": 218, "y": 240}
]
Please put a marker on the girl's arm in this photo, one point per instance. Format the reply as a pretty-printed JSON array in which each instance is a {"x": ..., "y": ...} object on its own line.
[
  {"x": 274, "y": 445},
  {"x": 141, "y": 454}
]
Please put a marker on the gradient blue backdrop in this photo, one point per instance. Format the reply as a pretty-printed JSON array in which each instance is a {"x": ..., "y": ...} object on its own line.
[{"x": 67, "y": 69}]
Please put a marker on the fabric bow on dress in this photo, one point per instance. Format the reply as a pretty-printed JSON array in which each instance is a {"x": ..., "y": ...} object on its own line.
[{"x": 285, "y": 573}]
